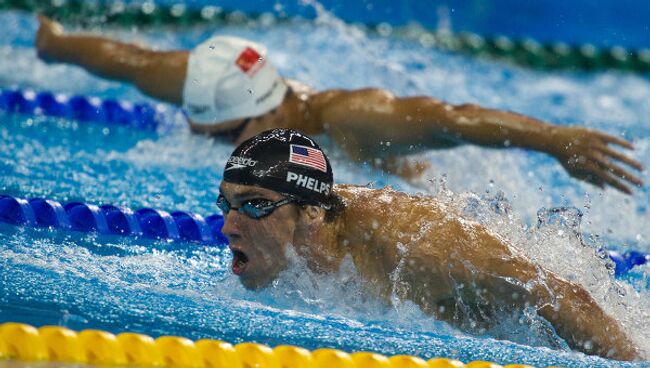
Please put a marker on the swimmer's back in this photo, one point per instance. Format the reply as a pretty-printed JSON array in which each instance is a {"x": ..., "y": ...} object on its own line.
[{"x": 392, "y": 226}]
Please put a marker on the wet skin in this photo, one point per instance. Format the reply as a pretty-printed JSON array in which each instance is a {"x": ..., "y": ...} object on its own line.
[
  {"x": 441, "y": 261},
  {"x": 258, "y": 246}
]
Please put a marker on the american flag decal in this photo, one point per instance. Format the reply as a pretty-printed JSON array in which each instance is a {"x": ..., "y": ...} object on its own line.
[{"x": 308, "y": 156}]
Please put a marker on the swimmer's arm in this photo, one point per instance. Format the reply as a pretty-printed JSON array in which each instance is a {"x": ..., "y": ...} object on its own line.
[
  {"x": 583, "y": 323},
  {"x": 585, "y": 154},
  {"x": 465, "y": 258},
  {"x": 364, "y": 119},
  {"x": 159, "y": 74}
]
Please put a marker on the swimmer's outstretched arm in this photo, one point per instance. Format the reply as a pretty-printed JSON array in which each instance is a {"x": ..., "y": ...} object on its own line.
[
  {"x": 360, "y": 120},
  {"x": 463, "y": 259},
  {"x": 159, "y": 74}
]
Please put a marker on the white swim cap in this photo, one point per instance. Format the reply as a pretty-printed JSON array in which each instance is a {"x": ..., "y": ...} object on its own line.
[{"x": 230, "y": 78}]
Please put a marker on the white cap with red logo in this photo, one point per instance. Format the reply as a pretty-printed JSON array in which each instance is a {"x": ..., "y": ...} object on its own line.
[{"x": 230, "y": 78}]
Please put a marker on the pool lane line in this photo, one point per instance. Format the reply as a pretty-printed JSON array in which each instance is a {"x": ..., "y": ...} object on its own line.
[
  {"x": 100, "y": 348},
  {"x": 159, "y": 224},
  {"x": 141, "y": 115},
  {"x": 521, "y": 51},
  {"x": 109, "y": 219}
]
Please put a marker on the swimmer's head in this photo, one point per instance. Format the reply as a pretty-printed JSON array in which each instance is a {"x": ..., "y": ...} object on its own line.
[
  {"x": 284, "y": 161},
  {"x": 276, "y": 192},
  {"x": 230, "y": 78}
]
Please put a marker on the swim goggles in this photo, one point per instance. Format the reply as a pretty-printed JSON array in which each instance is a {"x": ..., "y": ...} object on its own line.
[{"x": 253, "y": 208}]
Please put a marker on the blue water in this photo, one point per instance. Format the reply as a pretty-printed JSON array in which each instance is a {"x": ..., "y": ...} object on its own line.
[
  {"x": 89, "y": 281},
  {"x": 578, "y": 21}
]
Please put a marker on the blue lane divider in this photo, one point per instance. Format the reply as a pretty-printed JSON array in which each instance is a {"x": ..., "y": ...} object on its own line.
[
  {"x": 109, "y": 219},
  {"x": 138, "y": 115}
]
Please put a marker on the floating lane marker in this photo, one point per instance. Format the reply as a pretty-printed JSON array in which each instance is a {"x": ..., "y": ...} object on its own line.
[
  {"x": 110, "y": 219},
  {"x": 95, "y": 347},
  {"x": 140, "y": 115}
]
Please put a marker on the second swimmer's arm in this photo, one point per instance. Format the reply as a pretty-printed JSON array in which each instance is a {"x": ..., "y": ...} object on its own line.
[
  {"x": 366, "y": 118},
  {"x": 159, "y": 74},
  {"x": 584, "y": 153}
]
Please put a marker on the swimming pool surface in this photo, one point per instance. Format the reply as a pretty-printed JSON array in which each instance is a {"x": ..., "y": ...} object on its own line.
[{"x": 153, "y": 287}]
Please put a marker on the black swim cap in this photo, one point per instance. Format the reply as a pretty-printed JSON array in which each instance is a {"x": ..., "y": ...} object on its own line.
[{"x": 284, "y": 161}]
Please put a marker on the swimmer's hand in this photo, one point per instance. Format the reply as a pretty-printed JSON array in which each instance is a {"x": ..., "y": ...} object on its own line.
[
  {"x": 48, "y": 32},
  {"x": 586, "y": 154}
]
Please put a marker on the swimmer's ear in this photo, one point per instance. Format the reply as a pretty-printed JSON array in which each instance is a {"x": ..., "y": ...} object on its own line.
[{"x": 313, "y": 213}]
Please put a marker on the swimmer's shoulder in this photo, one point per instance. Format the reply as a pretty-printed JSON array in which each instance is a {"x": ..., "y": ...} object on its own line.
[
  {"x": 381, "y": 196},
  {"x": 362, "y": 201}
]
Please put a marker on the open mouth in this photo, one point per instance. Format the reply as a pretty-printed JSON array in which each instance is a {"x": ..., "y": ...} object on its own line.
[{"x": 239, "y": 262}]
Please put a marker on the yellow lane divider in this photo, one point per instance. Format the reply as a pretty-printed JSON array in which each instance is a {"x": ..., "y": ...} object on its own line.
[{"x": 58, "y": 344}]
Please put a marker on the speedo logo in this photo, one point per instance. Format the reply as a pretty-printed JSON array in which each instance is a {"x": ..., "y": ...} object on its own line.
[
  {"x": 308, "y": 182},
  {"x": 237, "y": 162}
]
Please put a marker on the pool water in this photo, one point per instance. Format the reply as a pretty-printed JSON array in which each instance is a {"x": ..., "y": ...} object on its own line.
[{"x": 154, "y": 287}]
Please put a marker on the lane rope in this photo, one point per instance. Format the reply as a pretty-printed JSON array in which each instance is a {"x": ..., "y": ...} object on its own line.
[
  {"x": 522, "y": 51},
  {"x": 109, "y": 219},
  {"x": 142, "y": 115},
  {"x": 100, "y": 348}
]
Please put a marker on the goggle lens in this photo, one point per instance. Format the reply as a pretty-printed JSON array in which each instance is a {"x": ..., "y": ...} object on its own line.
[{"x": 254, "y": 208}]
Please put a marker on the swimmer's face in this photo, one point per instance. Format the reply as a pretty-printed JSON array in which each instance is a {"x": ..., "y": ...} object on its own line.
[{"x": 258, "y": 246}]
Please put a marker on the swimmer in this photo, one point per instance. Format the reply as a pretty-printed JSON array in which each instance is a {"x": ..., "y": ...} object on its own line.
[
  {"x": 277, "y": 193},
  {"x": 228, "y": 88}
]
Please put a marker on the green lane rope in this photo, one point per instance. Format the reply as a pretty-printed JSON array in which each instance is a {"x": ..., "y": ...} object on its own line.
[{"x": 525, "y": 52}]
